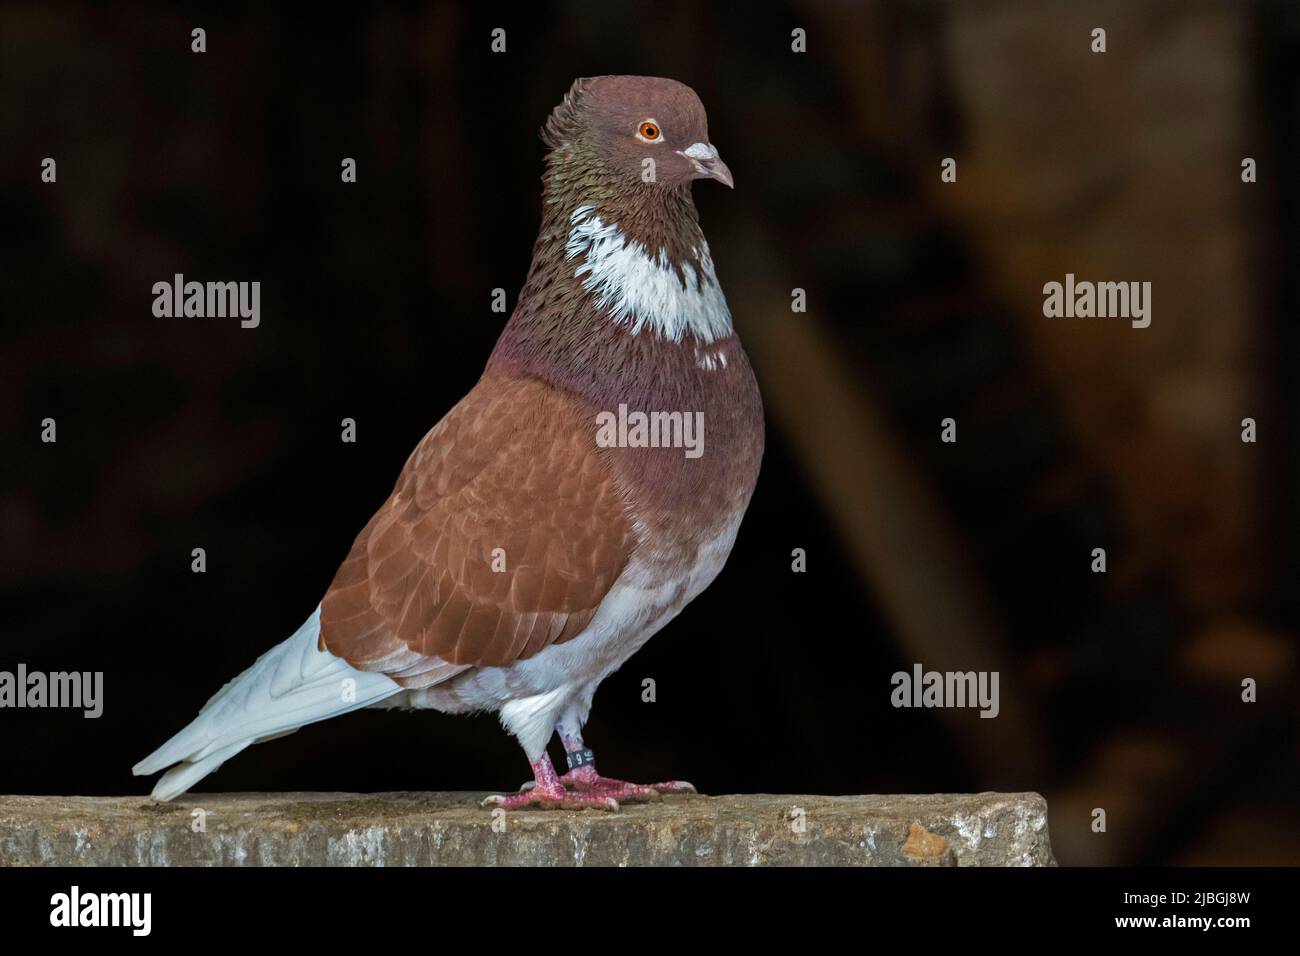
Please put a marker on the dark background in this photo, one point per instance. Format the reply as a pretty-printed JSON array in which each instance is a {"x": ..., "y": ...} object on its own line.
[{"x": 1119, "y": 691}]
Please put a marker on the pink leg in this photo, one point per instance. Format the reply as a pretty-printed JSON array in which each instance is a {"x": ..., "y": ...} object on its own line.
[{"x": 548, "y": 792}]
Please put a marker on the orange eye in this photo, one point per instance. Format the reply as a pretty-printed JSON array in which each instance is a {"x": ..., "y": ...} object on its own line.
[{"x": 649, "y": 130}]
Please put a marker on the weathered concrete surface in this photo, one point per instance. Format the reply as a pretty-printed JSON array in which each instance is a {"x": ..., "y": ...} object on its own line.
[{"x": 399, "y": 829}]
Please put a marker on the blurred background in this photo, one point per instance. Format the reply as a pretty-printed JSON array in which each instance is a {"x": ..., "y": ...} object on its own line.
[{"x": 1119, "y": 691}]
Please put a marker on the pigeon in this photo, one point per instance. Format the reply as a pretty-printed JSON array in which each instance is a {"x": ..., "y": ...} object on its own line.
[{"x": 584, "y": 491}]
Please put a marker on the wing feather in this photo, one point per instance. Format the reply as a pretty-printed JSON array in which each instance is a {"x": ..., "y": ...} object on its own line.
[{"x": 513, "y": 466}]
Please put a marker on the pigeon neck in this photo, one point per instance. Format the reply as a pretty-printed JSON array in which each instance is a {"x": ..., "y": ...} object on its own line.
[
  {"x": 659, "y": 218},
  {"x": 616, "y": 254}
]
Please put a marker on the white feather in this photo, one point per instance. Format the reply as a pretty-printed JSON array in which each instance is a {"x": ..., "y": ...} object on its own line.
[
  {"x": 532, "y": 719},
  {"x": 644, "y": 291},
  {"x": 291, "y": 685}
]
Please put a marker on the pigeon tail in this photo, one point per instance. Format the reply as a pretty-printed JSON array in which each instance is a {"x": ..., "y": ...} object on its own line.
[{"x": 291, "y": 685}]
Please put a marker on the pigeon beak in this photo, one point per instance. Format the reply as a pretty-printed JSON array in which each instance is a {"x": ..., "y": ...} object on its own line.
[{"x": 708, "y": 164}]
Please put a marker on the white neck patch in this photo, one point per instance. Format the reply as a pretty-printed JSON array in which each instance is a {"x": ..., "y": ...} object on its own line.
[{"x": 643, "y": 291}]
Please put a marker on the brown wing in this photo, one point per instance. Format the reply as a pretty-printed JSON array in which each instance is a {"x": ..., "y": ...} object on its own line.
[{"x": 514, "y": 466}]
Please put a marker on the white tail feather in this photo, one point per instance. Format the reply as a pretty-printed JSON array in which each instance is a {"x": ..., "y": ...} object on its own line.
[{"x": 291, "y": 685}]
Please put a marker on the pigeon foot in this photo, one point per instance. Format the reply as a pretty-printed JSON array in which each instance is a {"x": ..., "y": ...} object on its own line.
[
  {"x": 553, "y": 798},
  {"x": 548, "y": 792},
  {"x": 582, "y": 788},
  {"x": 587, "y": 780}
]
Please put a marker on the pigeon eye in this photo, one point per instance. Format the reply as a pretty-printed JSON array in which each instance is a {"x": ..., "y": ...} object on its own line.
[{"x": 650, "y": 131}]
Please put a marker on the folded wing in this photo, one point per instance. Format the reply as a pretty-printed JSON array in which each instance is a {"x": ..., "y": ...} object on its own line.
[{"x": 502, "y": 536}]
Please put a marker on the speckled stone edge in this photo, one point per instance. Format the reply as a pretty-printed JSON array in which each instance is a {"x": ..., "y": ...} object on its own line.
[{"x": 432, "y": 829}]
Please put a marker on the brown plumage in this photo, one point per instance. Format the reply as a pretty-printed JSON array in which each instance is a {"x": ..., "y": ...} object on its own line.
[{"x": 512, "y": 467}]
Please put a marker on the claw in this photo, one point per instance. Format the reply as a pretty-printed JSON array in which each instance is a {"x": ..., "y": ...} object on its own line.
[{"x": 675, "y": 786}]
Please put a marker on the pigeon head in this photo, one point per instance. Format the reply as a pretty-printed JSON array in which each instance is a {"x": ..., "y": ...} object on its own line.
[
  {"x": 620, "y": 122},
  {"x": 620, "y": 257}
]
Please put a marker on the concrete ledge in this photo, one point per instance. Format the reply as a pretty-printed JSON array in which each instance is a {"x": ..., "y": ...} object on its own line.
[{"x": 401, "y": 829}]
